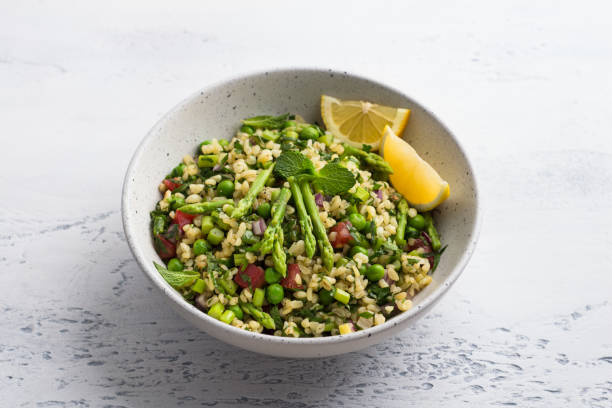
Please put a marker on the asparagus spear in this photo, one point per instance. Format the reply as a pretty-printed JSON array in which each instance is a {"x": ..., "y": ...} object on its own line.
[
  {"x": 432, "y": 232},
  {"x": 325, "y": 248},
  {"x": 278, "y": 254},
  {"x": 402, "y": 219},
  {"x": 262, "y": 317},
  {"x": 375, "y": 162},
  {"x": 304, "y": 219},
  {"x": 278, "y": 213},
  {"x": 246, "y": 203},
  {"x": 201, "y": 208}
]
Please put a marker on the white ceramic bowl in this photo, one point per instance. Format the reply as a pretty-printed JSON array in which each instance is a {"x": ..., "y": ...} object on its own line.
[{"x": 215, "y": 112}]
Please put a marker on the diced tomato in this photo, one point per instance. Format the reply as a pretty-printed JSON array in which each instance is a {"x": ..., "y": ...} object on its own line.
[
  {"x": 251, "y": 277},
  {"x": 183, "y": 219},
  {"x": 164, "y": 248},
  {"x": 343, "y": 235},
  {"x": 289, "y": 282},
  {"x": 422, "y": 243},
  {"x": 172, "y": 183}
]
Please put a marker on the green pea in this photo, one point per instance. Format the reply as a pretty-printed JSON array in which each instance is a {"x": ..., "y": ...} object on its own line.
[
  {"x": 178, "y": 170},
  {"x": 264, "y": 210},
  {"x": 175, "y": 265},
  {"x": 272, "y": 276},
  {"x": 326, "y": 297},
  {"x": 418, "y": 222},
  {"x": 215, "y": 236},
  {"x": 201, "y": 247},
  {"x": 237, "y": 311},
  {"x": 247, "y": 129},
  {"x": 375, "y": 273},
  {"x": 177, "y": 202},
  {"x": 275, "y": 294},
  {"x": 309, "y": 132},
  {"x": 358, "y": 250},
  {"x": 225, "y": 188},
  {"x": 207, "y": 224},
  {"x": 358, "y": 221},
  {"x": 289, "y": 123}
]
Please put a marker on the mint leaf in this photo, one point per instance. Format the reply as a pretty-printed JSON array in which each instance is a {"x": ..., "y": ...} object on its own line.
[
  {"x": 177, "y": 279},
  {"x": 267, "y": 122},
  {"x": 292, "y": 163},
  {"x": 334, "y": 179}
]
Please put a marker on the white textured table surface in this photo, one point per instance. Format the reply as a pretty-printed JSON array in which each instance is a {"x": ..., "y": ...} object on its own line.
[{"x": 526, "y": 86}]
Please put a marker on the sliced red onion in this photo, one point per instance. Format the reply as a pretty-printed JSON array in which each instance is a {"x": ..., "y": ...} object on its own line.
[
  {"x": 319, "y": 200},
  {"x": 259, "y": 227},
  {"x": 348, "y": 223},
  {"x": 379, "y": 194},
  {"x": 427, "y": 238},
  {"x": 217, "y": 167}
]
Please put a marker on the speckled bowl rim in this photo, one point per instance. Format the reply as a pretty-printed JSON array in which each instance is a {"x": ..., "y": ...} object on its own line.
[{"x": 147, "y": 266}]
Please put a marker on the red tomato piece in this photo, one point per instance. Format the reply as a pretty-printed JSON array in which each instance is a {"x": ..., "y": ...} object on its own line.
[
  {"x": 289, "y": 282},
  {"x": 164, "y": 248},
  {"x": 343, "y": 235},
  {"x": 172, "y": 183},
  {"x": 251, "y": 277},
  {"x": 183, "y": 219}
]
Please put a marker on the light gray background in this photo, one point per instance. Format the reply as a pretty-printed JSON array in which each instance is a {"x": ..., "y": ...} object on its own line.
[{"x": 527, "y": 88}]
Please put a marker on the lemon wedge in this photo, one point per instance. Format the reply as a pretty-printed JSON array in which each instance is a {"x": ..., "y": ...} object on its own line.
[
  {"x": 358, "y": 122},
  {"x": 412, "y": 177}
]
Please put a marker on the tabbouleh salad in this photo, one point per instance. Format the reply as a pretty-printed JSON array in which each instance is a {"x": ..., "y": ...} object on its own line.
[{"x": 284, "y": 231}]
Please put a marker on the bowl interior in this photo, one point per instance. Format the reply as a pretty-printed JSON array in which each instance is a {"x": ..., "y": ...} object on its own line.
[{"x": 216, "y": 113}]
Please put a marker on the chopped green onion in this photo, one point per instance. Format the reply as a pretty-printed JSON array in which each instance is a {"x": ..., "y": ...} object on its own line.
[
  {"x": 361, "y": 194},
  {"x": 216, "y": 311},
  {"x": 342, "y": 296},
  {"x": 228, "y": 285},
  {"x": 227, "y": 317},
  {"x": 208, "y": 160},
  {"x": 258, "y": 297},
  {"x": 198, "y": 286},
  {"x": 240, "y": 260}
]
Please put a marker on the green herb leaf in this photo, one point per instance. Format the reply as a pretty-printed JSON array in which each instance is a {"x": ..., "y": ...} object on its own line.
[
  {"x": 366, "y": 148},
  {"x": 291, "y": 163},
  {"x": 382, "y": 295},
  {"x": 177, "y": 279},
  {"x": 334, "y": 179},
  {"x": 367, "y": 315},
  {"x": 238, "y": 148},
  {"x": 267, "y": 122},
  {"x": 275, "y": 314}
]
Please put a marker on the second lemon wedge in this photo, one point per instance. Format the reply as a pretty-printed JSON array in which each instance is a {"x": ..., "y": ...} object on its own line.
[
  {"x": 412, "y": 177},
  {"x": 360, "y": 122}
]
